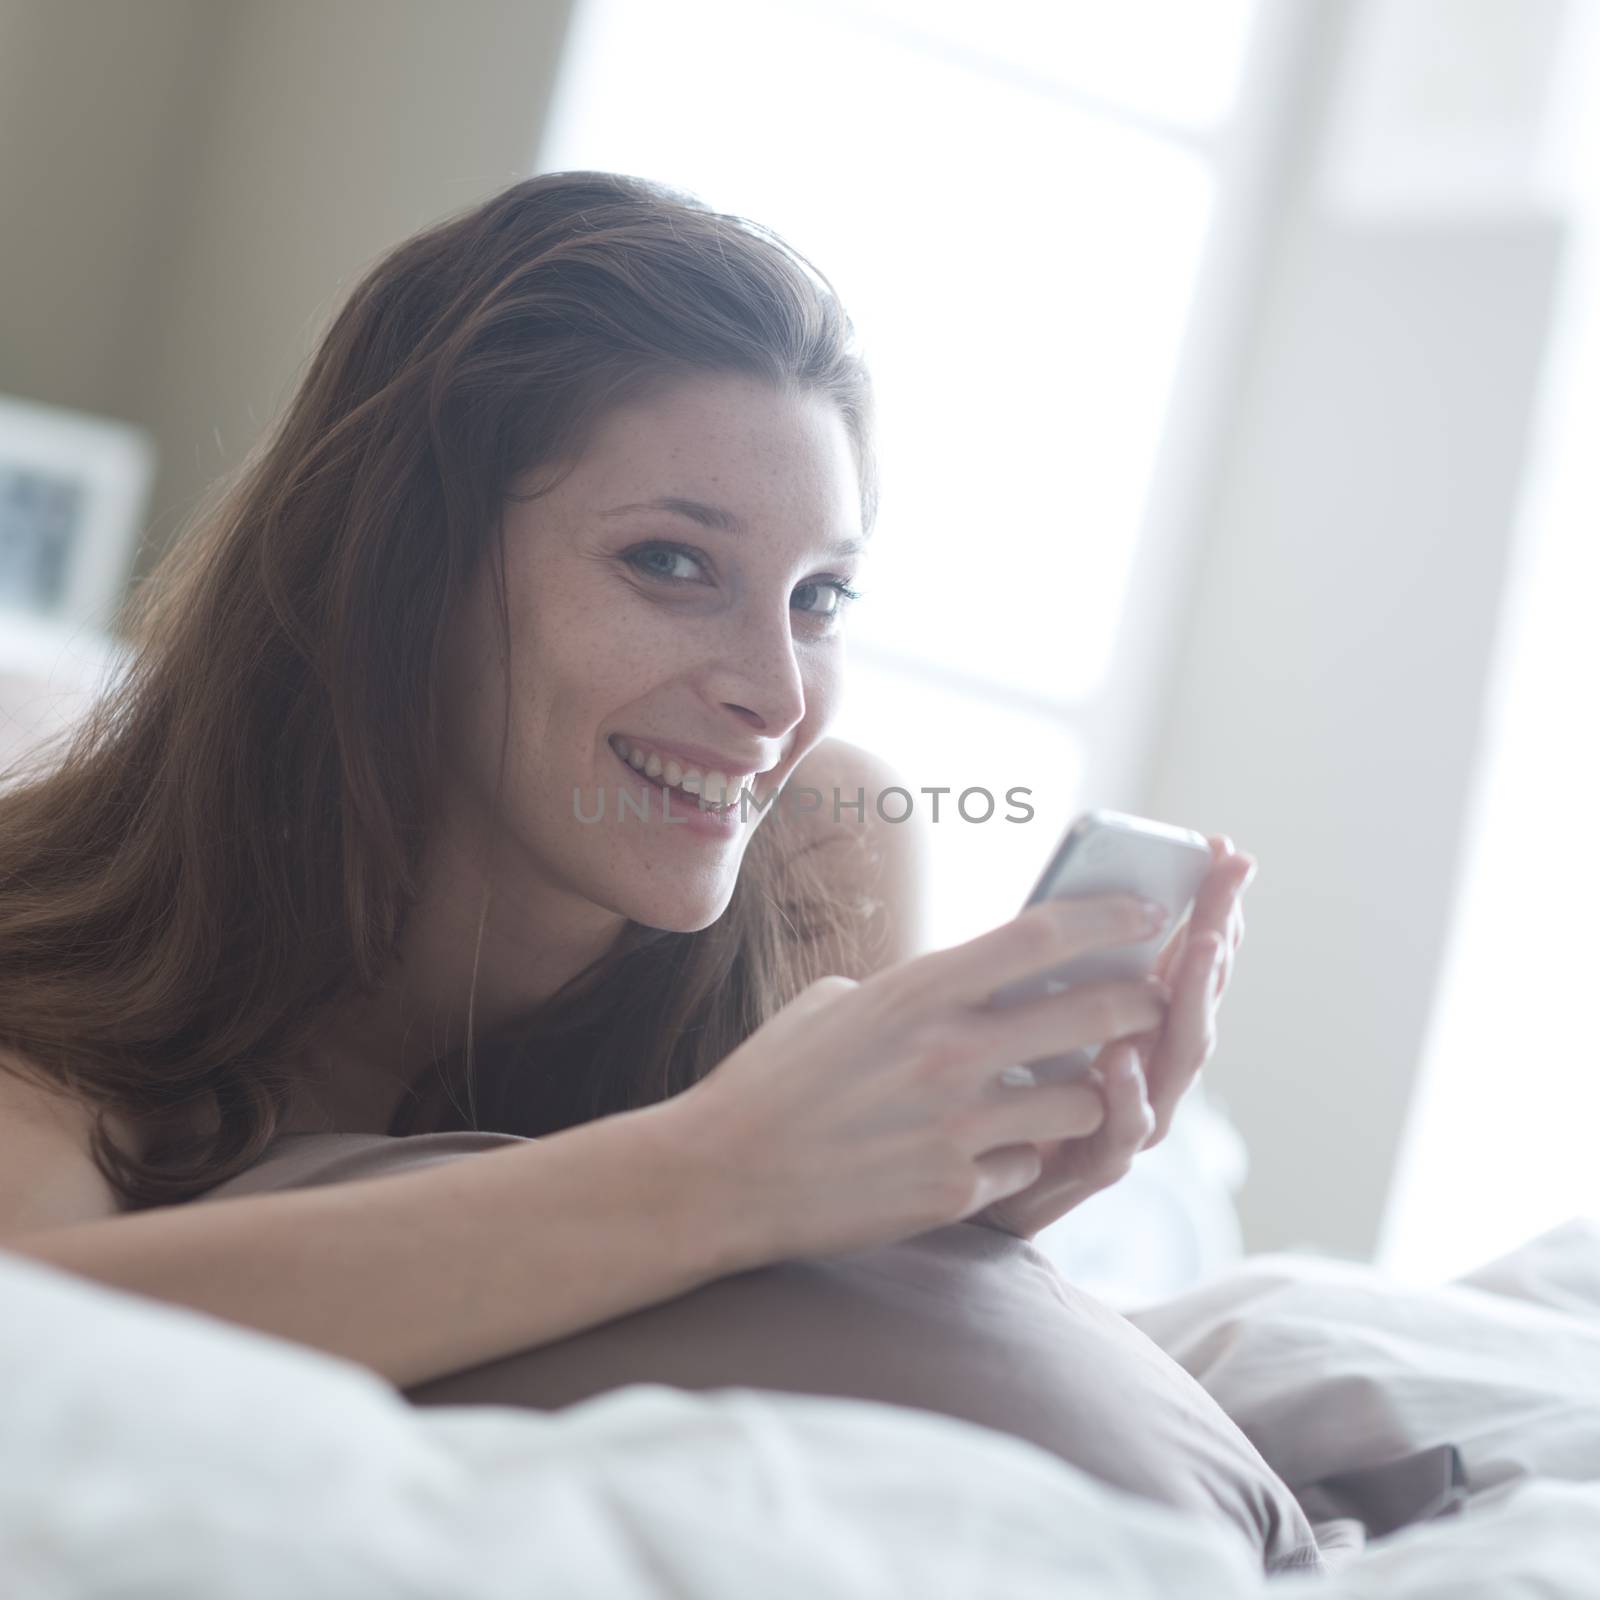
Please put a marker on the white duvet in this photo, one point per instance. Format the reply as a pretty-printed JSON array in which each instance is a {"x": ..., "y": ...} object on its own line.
[{"x": 152, "y": 1451}]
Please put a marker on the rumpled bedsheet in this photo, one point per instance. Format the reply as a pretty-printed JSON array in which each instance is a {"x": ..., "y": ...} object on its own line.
[{"x": 151, "y": 1451}]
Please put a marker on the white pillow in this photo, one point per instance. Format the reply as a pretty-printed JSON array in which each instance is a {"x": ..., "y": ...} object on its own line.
[
  {"x": 147, "y": 1450},
  {"x": 1329, "y": 1366},
  {"x": 152, "y": 1451}
]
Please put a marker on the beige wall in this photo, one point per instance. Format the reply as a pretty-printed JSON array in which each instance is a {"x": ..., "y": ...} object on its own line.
[
  {"x": 196, "y": 183},
  {"x": 99, "y": 119}
]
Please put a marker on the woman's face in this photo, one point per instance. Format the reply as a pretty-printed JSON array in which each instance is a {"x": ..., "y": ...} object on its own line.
[{"x": 675, "y": 602}]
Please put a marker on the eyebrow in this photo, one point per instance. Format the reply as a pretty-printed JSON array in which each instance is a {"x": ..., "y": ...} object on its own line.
[{"x": 716, "y": 517}]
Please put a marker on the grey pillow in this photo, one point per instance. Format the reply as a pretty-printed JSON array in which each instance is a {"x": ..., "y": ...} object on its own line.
[{"x": 960, "y": 1320}]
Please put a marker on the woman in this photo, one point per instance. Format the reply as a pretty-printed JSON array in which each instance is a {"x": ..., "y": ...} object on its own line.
[{"x": 568, "y": 504}]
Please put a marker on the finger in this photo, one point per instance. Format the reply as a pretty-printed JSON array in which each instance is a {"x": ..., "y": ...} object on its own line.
[
  {"x": 1233, "y": 871},
  {"x": 1244, "y": 871},
  {"x": 1223, "y": 854},
  {"x": 1223, "y": 973},
  {"x": 1214, "y": 898},
  {"x": 1172, "y": 952},
  {"x": 1129, "y": 1121},
  {"x": 1003, "y": 1173},
  {"x": 1228, "y": 922},
  {"x": 1031, "y": 944},
  {"x": 1236, "y": 918},
  {"x": 821, "y": 992},
  {"x": 1087, "y": 1015},
  {"x": 1188, "y": 1038},
  {"x": 1218, "y": 892},
  {"x": 1006, "y": 1114}
]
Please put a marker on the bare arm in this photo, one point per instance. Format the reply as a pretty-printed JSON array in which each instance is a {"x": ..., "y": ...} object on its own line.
[{"x": 421, "y": 1273}]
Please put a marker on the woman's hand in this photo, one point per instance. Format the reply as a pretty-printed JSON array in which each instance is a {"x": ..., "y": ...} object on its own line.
[
  {"x": 1144, "y": 1076},
  {"x": 864, "y": 1113}
]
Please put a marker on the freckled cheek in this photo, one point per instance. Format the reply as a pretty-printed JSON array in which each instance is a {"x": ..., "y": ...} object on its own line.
[
  {"x": 630, "y": 663},
  {"x": 590, "y": 665}
]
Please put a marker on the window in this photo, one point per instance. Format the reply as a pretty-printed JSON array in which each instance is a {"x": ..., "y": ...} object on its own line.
[{"x": 1013, "y": 201}]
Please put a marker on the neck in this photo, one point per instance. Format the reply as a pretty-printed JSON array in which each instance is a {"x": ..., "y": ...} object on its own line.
[{"x": 456, "y": 966}]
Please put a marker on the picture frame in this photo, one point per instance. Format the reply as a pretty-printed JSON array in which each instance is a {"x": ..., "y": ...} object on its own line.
[{"x": 73, "y": 494}]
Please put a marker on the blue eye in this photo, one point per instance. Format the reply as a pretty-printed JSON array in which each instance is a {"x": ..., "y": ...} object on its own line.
[
  {"x": 667, "y": 556},
  {"x": 821, "y": 598},
  {"x": 823, "y": 588}
]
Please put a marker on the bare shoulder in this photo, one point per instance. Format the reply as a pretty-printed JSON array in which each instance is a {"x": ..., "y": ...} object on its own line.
[
  {"x": 866, "y": 857},
  {"x": 851, "y": 766}
]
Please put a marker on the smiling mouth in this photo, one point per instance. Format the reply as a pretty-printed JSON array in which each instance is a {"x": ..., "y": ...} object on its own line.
[{"x": 687, "y": 793}]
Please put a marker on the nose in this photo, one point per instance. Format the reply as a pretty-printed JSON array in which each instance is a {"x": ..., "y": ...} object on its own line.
[{"x": 757, "y": 675}]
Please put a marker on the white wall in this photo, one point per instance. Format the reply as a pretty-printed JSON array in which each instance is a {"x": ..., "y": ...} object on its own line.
[
  {"x": 1329, "y": 695},
  {"x": 1500, "y": 1139}
]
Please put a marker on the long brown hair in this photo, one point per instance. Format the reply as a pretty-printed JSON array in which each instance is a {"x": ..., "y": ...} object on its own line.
[{"x": 229, "y": 842}]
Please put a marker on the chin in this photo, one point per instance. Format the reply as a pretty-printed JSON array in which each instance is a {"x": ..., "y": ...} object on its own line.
[
  {"x": 683, "y": 913},
  {"x": 691, "y": 924}
]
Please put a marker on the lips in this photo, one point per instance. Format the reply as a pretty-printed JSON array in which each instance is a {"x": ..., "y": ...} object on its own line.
[
  {"x": 682, "y": 793},
  {"x": 690, "y": 769}
]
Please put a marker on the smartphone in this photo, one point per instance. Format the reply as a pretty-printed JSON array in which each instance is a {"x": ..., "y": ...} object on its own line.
[{"x": 1110, "y": 852}]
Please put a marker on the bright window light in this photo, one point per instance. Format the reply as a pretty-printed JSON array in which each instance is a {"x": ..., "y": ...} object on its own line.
[
  {"x": 939, "y": 735},
  {"x": 1019, "y": 254},
  {"x": 1174, "y": 60}
]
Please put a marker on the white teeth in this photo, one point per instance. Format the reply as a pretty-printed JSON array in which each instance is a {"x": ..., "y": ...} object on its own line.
[{"x": 715, "y": 788}]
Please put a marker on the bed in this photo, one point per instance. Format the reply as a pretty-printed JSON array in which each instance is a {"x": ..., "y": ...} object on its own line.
[{"x": 148, "y": 1450}]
